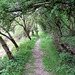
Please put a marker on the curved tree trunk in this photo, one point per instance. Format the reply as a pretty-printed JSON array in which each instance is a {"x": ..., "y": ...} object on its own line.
[
  {"x": 13, "y": 41},
  {"x": 4, "y": 45},
  {"x": 9, "y": 37},
  {"x": 27, "y": 33}
]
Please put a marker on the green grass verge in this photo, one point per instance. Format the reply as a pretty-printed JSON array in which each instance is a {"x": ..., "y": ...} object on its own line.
[
  {"x": 22, "y": 56},
  {"x": 50, "y": 59},
  {"x": 55, "y": 62}
]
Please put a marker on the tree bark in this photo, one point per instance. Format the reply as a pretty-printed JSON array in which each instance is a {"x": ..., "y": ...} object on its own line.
[
  {"x": 32, "y": 33},
  {"x": 24, "y": 27},
  {"x": 4, "y": 45},
  {"x": 9, "y": 36},
  {"x": 27, "y": 33},
  {"x": 13, "y": 41},
  {"x": 58, "y": 25}
]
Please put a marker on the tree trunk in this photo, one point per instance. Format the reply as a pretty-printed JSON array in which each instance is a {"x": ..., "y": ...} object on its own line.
[
  {"x": 58, "y": 25},
  {"x": 60, "y": 32},
  {"x": 10, "y": 38},
  {"x": 32, "y": 33},
  {"x": 4, "y": 45},
  {"x": 37, "y": 32},
  {"x": 13, "y": 41},
  {"x": 27, "y": 33}
]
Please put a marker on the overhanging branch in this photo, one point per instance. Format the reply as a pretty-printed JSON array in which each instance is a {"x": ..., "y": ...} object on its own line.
[
  {"x": 40, "y": 4},
  {"x": 4, "y": 35}
]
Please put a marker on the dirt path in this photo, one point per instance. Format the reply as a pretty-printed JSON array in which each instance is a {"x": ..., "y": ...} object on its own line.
[{"x": 37, "y": 68}]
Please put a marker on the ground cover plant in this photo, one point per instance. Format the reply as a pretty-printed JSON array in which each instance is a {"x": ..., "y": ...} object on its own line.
[
  {"x": 56, "y": 62},
  {"x": 10, "y": 67}
]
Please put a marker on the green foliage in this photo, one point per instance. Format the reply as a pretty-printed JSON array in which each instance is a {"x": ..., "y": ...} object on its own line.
[
  {"x": 58, "y": 16},
  {"x": 19, "y": 32},
  {"x": 62, "y": 63},
  {"x": 15, "y": 68},
  {"x": 67, "y": 64},
  {"x": 70, "y": 40},
  {"x": 22, "y": 56},
  {"x": 50, "y": 60},
  {"x": 53, "y": 10}
]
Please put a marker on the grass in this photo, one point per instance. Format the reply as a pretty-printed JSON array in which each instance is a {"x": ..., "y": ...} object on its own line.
[
  {"x": 22, "y": 56},
  {"x": 55, "y": 62},
  {"x": 31, "y": 68},
  {"x": 32, "y": 60},
  {"x": 50, "y": 60}
]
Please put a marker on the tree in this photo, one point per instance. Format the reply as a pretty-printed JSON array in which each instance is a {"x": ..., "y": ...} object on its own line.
[
  {"x": 27, "y": 23},
  {"x": 55, "y": 15},
  {"x": 9, "y": 36},
  {"x": 4, "y": 45},
  {"x": 24, "y": 25}
]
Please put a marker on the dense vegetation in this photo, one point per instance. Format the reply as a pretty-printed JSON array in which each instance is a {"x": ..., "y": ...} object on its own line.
[
  {"x": 55, "y": 62},
  {"x": 9, "y": 67},
  {"x": 55, "y": 17}
]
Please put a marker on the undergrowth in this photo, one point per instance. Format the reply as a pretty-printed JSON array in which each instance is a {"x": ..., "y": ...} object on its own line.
[
  {"x": 55, "y": 62},
  {"x": 70, "y": 40},
  {"x": 11, "y": 67}
]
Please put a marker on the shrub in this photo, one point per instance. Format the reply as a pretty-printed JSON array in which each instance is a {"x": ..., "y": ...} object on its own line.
[
  {"x": 61, "y": 63},
  {"x": 16, "y": 67}
]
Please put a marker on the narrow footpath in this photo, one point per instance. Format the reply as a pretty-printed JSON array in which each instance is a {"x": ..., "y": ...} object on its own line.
[{"x": 37, "y": 68}]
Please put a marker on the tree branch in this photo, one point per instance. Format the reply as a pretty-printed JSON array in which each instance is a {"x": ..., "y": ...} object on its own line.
[
  {"x": 4, "y": 35},
  {"x": 19, "y": 23},
  {"x": 6, "y": 31},
  {"x": 66, "y": 24},
  {"x": 40, "y": 4}
]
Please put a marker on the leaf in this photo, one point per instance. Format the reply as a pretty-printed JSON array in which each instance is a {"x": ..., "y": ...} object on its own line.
[{"x": 52, "y": 11}]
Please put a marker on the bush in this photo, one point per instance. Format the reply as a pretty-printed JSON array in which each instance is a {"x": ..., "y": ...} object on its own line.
[
  {"x": 61, "y": 63},
  {"x": 70, "y": 40}
]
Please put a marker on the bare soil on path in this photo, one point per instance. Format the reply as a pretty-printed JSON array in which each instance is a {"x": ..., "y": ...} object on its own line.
[{"x": 37, "y": 68}]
